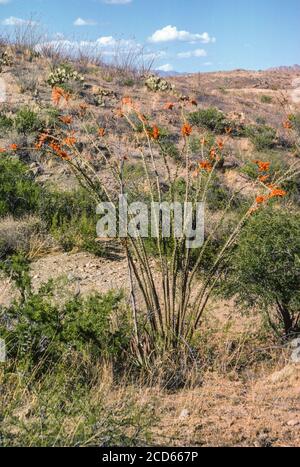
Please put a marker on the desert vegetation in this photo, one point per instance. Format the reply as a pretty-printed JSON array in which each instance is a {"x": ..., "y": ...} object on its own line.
[{"x": 139, "y": 360}]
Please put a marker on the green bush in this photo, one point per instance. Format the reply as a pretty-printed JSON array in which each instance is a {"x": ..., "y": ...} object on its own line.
[
  {"x": 262, "y": 136},
  {"x": 71, "y": 219},
  {"x": 36, "y": 328},
  {"x": 295, "y": 119},
  {"x": 266, "y": 99},
  {"x": 6, "y": 123},
  {"x": 27, "y": 121},
  {"x": 19, "y": 194},
  {"x": 265, "y": 269},
  {"x": 69, "y": 216},
  {"x": 212, "y": 119}
]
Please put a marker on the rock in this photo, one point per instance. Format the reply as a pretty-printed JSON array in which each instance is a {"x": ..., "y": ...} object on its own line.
[
  {"x": 184, "y": 414},
  {"x": 36, "y": 169},
  {"x": 293, "y": 423},
  {"x": 295, "y": 343},
  {"x": 230, "y": 163},
  {"x": 295, "y": 357}
]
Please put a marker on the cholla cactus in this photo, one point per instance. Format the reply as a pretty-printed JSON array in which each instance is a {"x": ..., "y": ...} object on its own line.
[
  {"x": 62, "y": 75},
  {"x": 5, "y": 60},
  {"x": 155, "y": 83}
]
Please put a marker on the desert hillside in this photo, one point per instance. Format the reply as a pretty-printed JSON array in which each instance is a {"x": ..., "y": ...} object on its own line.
[{"x": 137, "y": 342}]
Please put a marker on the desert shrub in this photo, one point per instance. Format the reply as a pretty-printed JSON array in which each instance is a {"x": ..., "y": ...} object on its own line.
[
  {"x": 63, "y": 74},
  {"x": 36, "y": 329},
  {"x": 265, "y": 269},
  {"x": 266, "y": 99},
  {"x": 19, "y": 194},
  {"x": 262, "y": 136},
  {"x": 26, "y": 236},
  {"x": 50, "y": 116},
  {"x": 295, "y": 120},
  {"x": 212, "y": 119},
  {"x": 27, "y": 121},
  {"x": 6, "y": 123},
  {"x": 65, "y": 408},
  {"x": 71, "y": 219},
  {"x": 169, "y": 148}
]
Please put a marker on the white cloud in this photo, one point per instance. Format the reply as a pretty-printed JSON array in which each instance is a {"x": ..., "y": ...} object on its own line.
[
  {"x": 84, "y": 22},
  {"x": 192, "y": 53},
  {"x": 13, "y": 21},
  {"x": 171, "y": 33},
  {"x": 166, "y": 67},
  {"x": 107, "y": 41},
  {"x": 117, "y": 2},
  {"x": 4, "y": 2},
  {"x": 104, "y": 46}
]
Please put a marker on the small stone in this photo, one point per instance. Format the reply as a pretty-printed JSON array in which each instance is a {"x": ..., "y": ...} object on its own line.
[
  {"x": 184, "y": 414},
  {"x": 295, "y": 343},
  {"x": 295, "y": 357},
  {"x": 293, "y": 422}
]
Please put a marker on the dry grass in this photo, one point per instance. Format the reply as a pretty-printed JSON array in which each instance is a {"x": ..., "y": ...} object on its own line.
[{"x": 25, "y": 236}]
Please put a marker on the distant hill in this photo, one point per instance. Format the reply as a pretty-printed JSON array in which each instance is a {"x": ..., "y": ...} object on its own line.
[
  {"x": 292, "y": 68},
  {"x": 165, "y": 74}
]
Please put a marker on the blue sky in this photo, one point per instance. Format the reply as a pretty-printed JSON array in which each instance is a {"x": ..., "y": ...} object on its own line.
[{"x": 183, "y": 35}]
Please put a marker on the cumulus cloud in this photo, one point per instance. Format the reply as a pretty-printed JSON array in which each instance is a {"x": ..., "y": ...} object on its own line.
[
  {"x": 13, "y": 21},
  {"x": 103, "y": 46},
  {"x": 171, "y": 33},
  {"x": 167, "y": 67},
  {"x": 84, "y": 22},
  {"x": 192, "y": 53}
]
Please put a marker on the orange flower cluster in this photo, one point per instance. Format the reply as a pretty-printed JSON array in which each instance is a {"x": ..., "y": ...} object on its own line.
[
  {"x": 287, "y": 125},
  {"x": 220, "y": 144},
  {"x": 47, "y": 139},
  {"x": 11, "y": 147},
  {"x": 169, "y": 106},
  {"x": 127, "y": 101},
  {"x": 275, "y": 192},
  {"x": 213, "y": 154},
  {"x": 82, "y": 109},
  {"x": 42, "y": 140},
  {"x": 101, "y": 132},
  {"x": 58, "y": 94},
  {"x": 66, "y": 119},
  {"x": 154, "y": 133},
  {"x": 263, "y": 166},
  {"x": 186, "y": 130},
  {"x": 205, "y": 165},
  {"x": 264, "y": 178},
  {"x": 59, "y": 152},
  {"x": 70, "y": 140}
]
